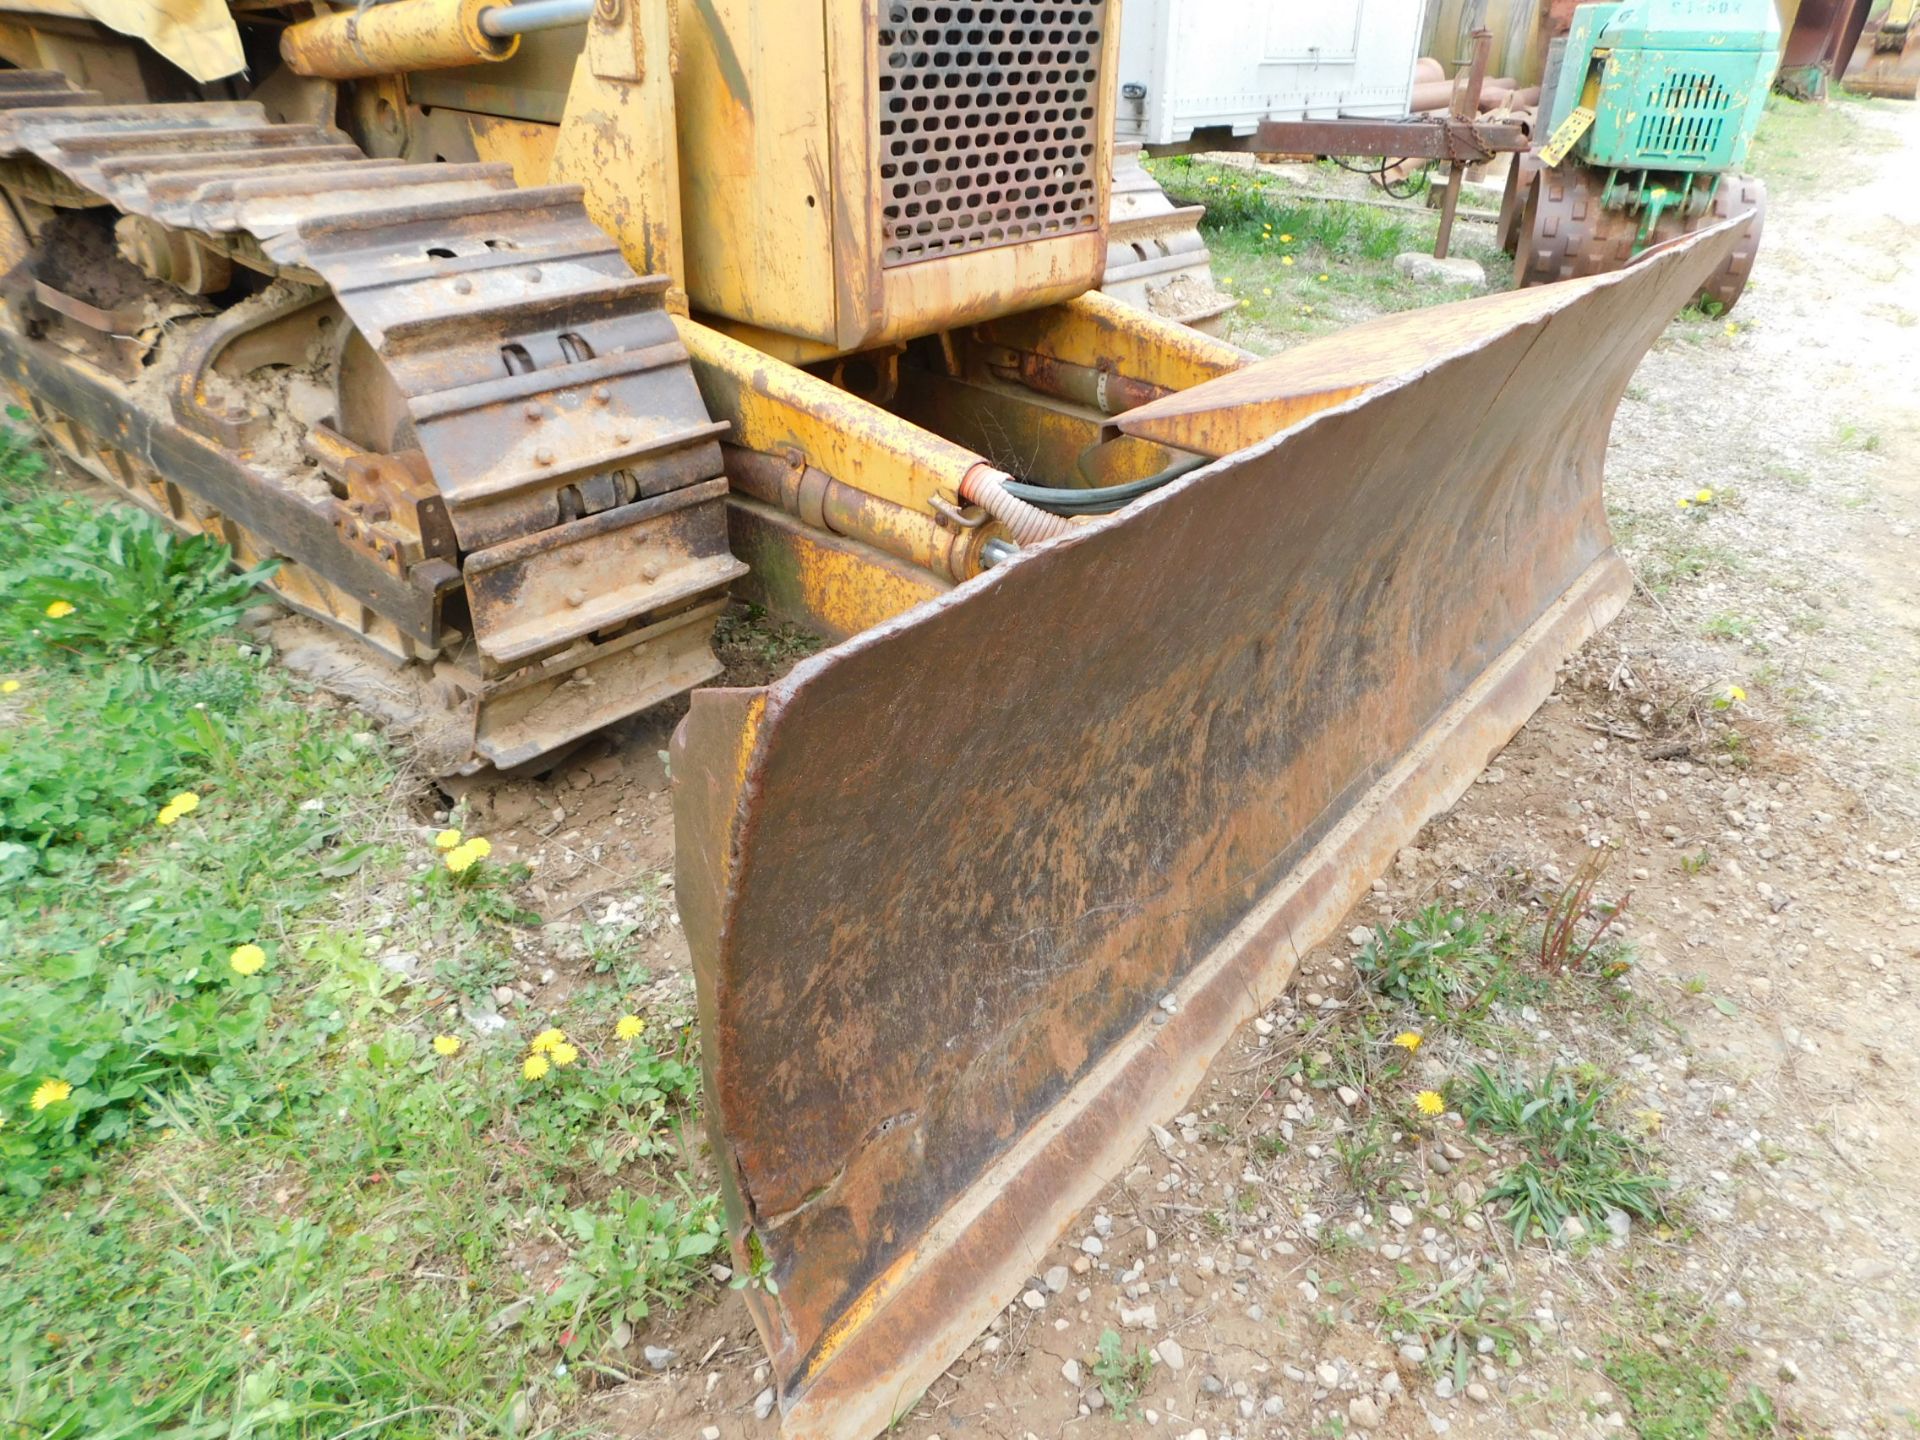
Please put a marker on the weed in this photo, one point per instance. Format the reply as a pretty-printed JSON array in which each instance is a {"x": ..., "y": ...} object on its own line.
[
  {"x": 1674, "y": 1393},
  {"x": 1849, "y": 436},
  {"x": 1697, "y": 864},
  {"x": 1443, "y": 963},
  {"x": 1559, "y": 950},
  {"x": 1727, "y": 626},
  {"x": 630, "y": 1254},
  {"x": 1451, "y": 1318},
  {"x": 1123, "y": 1374},
  {"x": 1572, "y": 1163}
]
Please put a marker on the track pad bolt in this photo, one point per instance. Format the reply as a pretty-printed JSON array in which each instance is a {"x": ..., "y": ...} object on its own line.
[
  {"x": 534, "y": 412},
  {"x": 576, "y": 598},
  {"x": 543, "y": 456},
  {"x": 650, "y": 570},
  {"x": 463, "y": 286},
  {"x": 601, "y": 395}
]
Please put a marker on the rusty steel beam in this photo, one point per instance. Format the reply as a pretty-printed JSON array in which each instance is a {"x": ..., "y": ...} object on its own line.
[
  {"x": 978, "y": 893},
  {"x": 1436, "y": 138}
]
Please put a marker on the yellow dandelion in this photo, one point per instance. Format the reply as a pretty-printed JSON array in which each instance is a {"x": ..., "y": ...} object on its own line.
[
  {"x": 1213, "y": 179},
  {"x": 446, "y": 1044},
  {"x": 1734, "y": 692},
  {"x": 446, "y": 840},
  {"x": 628, "y": 1027},
  {"x": 546, "y": 1040},
  {"x": 480, "y": 846},
  {"x": 1703, "y": 497},
  {"x": 7, "y": 687},
  {"x": 1226, "y": 279},
  {"x": 1322, "y": 277},
  {"x": 1685, "y": 503},
  {"x": 461, "y": 859},
  {"x": 1733, "y": 327},
  {"x": 1266, "y": 290},
  {"x": 1245, "y": 303},
  {"x": 1286, "y": 239},
  {"x": 1650, "y": 1120},
  {"x": 59, "y": 610},
  {"x": 535, "y": 1068},
  {"x": 1286, "y": 260},
  {"x": 563, "y": 1054},
  {"x": 50, "y": 1092},
  {"x": 1429, "y": 1102},
  {"x": 1408, "y": 1040},
  {"x": 247, "y": 960}
]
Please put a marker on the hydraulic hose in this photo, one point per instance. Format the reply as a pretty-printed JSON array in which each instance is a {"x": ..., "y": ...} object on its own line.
[
  {"x": 1100, "y": 499},
  {"x": 990, "y": 490}
]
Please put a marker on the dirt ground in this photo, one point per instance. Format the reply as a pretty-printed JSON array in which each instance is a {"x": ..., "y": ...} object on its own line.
[{"x": 1765, "y": 1031}]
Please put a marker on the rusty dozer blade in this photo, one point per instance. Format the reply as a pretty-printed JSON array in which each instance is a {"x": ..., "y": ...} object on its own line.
[{"x": 977, "y": 894}]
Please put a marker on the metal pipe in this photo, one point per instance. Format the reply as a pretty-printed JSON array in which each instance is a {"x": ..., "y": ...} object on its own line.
[
  {"x": 393, "y": 39},
  {"x": 528, "y": 16}
]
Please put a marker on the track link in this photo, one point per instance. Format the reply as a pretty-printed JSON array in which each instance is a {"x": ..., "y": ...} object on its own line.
[{"x": 513, "y": 481}]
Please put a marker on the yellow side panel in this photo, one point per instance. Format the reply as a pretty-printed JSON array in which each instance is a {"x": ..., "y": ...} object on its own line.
[
  {"x": 755, "y": 165},
  {"x": 197, "y": 35}
]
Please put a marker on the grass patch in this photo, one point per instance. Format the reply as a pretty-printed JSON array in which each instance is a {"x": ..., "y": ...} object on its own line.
[
  {"x": 1123, "y": 1374},
  {"x": 1444, "y": 964},
  {"x": 1299, "y": 267},
  {"x": 1802, "y": 147},
  {"x": 256, "y": 1178},
  {"x": 1569, "y": 1162},
  {"x": 1451, "y": 1318}
]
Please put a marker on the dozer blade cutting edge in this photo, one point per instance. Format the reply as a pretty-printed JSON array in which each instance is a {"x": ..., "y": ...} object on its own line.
[{"x": 977, "y": 894}]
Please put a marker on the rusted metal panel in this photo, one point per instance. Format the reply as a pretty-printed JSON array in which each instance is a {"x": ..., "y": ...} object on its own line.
[{"x": 934, "y": 905}]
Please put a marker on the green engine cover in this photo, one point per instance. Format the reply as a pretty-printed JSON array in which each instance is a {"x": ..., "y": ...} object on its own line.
[{"x": 1682, "y": 83}]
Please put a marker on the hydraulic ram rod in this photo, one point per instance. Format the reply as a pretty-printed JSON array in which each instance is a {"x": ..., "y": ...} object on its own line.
[{"x": 409, "y": 35}]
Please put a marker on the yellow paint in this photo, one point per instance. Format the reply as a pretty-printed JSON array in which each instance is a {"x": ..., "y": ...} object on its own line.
[
  {"x": 775, "y": 408},
  {"x": 199, "y": 36},
  {"x": 1566, "y": 135},
  {"x": 526, "y": 146},
  {"x": 782, "y": 200},
  {"x": 617, "y": 138},
  {"x": 1095, "y": 331},
  {"x": 863, "y": 1308},
  {"x": 392, "y": 39}
]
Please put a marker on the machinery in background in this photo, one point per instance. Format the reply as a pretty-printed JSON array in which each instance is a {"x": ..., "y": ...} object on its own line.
[
  {"x": 523, "y": 336},
  {"x": 1648, "y": 117},
  {"x": 1887, "y": 61}
]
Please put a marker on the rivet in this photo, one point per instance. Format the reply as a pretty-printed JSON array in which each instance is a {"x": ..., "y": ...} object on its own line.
[
  {"x": 533, "y": 273},
  {"x": 650, "y": 570},
  {"x": 601, "y": 395},
  {"x": 543, "y": 457},
  {"x": 576, "y": 598},
  {"x": 621, "y": 437},
  {"x": 463, "y": 286},
  {"x": 534, "y": 412}
]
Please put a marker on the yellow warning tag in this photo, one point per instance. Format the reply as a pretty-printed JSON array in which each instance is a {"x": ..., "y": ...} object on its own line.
[{"x": 1565, "y": 134}]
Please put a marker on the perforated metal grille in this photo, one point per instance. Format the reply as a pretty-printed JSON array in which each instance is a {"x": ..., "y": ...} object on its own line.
[
  {"x": 988, "y": 122},
  {"x": 1684, "y": 117}
]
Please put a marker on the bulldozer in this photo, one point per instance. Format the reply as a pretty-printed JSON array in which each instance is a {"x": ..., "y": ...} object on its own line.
[
  {"x": 1650, "y": 107},
  {"x": 516, "y": 340}
]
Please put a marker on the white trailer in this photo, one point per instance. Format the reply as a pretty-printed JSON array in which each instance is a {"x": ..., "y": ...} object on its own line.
[{"x": 1188, "y": 65}]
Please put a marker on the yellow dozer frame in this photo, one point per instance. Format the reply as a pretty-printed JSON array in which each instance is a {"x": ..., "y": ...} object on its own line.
[{"x": 525, "y": 335}]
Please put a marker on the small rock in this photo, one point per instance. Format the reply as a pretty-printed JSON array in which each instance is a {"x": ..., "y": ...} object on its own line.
[
  {"x": 763, "y": 1404},
  {"x": 712, "y": 1432},
  {"x": 1034, "y": 1300},
  {"x": 1454, "y": 270},
  {"x": 658, "y": 1357},
  {"x": 1171, "y": 1355},
  {"x": 1092, "y": 1246},
  {"x": 1479, "y": 1393},
  {"x": 505, "y": 995},
  {"x": 1327, "y": 1373},
  {"x": 1056, "y": 1278},
  {"x": 1401, "y": 1215},
  {"x": 1071, "y": 1370},
  {"x": 622, "y": 1336},
  {"x": 1144, "y": 1318},
  {"x": 1364, "y": 1412},
  {"x": 1414, "y": 1354},
  {"x": 1360, "y": 935},
  {"x": 1273, "y": 1406},
  {"x": 1349, "y": 1096}
]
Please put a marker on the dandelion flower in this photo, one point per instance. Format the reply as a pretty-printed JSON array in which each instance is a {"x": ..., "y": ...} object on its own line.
[
  {"x": 628, "y": 1027},
  {"x": 563, "y": 1054},
  {"x": 1213, "y": 179},
  {"x": 480, "y": 846},
  {"x": 446, "y": 1044},
  {"x": 1408, "y": 1040},
  {"x": 7, "y": 687},
  {"x": 1703, "y": 497},
  {"x": 1266, "y": 290},
  {"x": 1323, "y": 277},
  {"x": 1734, "y": 692},
  {"x": 59, "y": 610},
  {"x": 1286, "y": 259},
  {"x": 1733, "y": 327},
  {"x": 446, "y": 840},
  {"x": 546, "y": 1040},
  {"x": 1286, "y": 239},
  {"x": 185, "y": 803},
  {"x": 1226, "y": 279},
  {"x": 1685, "y": 503},
  {"x": 50, "y": 1092},
  {"x": 461, "y": 858},
  {"x": 1429, "y": 1102},
  {"x": 535, "y": 1068},
  {"x": 247, "y": 960}
]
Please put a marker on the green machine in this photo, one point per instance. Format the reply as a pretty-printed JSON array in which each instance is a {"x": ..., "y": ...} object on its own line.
[{"x": 1649, "y": 109}]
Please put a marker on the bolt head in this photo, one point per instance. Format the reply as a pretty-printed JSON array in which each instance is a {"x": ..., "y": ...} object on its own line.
[
  {"x": 543, "y": 456},
  {"x": 576, "y": 598},
  {"x": 463, "y": 286}
]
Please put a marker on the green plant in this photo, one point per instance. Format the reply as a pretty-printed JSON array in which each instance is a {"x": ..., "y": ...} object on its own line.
[
  {"x": 1443, "y": 963},
  {"x": 1674, "y": 1395},
  {"x": 1123, "y": 1374},
  {"x": 1571, "y": 1162},
  {"x": 631, "y": 1253},
  {"x": 1559, "y": 947},
  {"x": 1451, "y": 1318}
]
